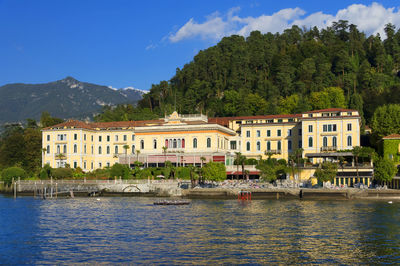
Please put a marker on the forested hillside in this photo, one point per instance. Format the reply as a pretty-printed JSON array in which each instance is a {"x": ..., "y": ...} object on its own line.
[
  {"x": 295, "y": 71},
  {"x": 64, "y": 98}
]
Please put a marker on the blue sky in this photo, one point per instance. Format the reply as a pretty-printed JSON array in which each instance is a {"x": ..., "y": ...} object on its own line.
[{"x": 138, "y": 43}]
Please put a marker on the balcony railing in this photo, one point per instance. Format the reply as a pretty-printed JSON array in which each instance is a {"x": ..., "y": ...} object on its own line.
[
  {"x": 328, "y": 148},
  {"x": 274, "y": 151},
  {"x": 60, "y": 156}
]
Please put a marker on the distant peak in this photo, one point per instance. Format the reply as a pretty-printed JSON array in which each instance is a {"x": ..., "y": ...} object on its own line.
[
  {"x": 72, "y": 83},
  {"x": 69, "y": 79}
]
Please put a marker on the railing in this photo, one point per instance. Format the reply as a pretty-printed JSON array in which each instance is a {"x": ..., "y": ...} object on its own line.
[
  {"x": 60, "y": 156},
  {"x": 274, "y": 151},
  {"x": 231, "y": 168},
  {"x": 94, "y": 181},
  {"x": 328, "y": 148}
]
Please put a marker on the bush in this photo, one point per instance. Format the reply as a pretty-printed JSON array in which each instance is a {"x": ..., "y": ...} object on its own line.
[
  {"x": 60, "y": 173},
  {"x": 214, "y": 171},
  {"x": 384, "y": 170},
  {"x": 183, "y": 173},
  {"x": 12, "y": 172},
  {"x": 99, "y": 174},
  {"x": 43, "y": 174},
  {"x": 144, "y": 173},
  {"x": 120, "y": 170}
]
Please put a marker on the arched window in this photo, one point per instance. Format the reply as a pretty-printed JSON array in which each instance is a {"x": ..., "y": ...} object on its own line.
[
  {"x": 248, "y": 146},
  {"x": 258, "y": 146},
  {"x": 133, "y": 148},
  {"x": 99, "y": 149},
  {"x": 84, "y": 149},
  {"x": 195, "y": 143},
  {"x": 279, "y": 145},
  {"x": 208, "y": 142},
  {"x": 349, "y": 141},
  {"x": 325, "y": 141},
  {"x": 166, "y": 143},
  {"x": 48, "y": 149},
  {"x": 268, "y": 145},
  {"x": 183, "y": 143},
  {"x": 289, "y": 144},
  {"x": 108, "y": 149},
  {"x": 58, "y": 148},
  {"x": 174, "y": 144},
  {"x": 142, "y": 144},
  {"x": 116, "y": 149},
  {"x": 310, "y": 142},
  {"x": 179, "y": 143},
  {"x": 65, "y": 148},
  {"x": 155, "y": 144},
  {"x": 334, "y": 142},
  {"x": 75, "y": 148}
]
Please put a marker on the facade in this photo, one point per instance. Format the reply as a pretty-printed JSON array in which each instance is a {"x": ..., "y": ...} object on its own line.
[{"x": 196, "y": 139}]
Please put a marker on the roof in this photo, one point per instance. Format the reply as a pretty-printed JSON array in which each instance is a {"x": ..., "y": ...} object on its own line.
[
  {"x": 71, "y": 123},
  {"x": 115, "y": 124},
  {"x": 392, "y": 136},
  {"x": 120, "y": 124},
  {"x": 331, "y": 110},
  {"x": 223, "y": 119}
]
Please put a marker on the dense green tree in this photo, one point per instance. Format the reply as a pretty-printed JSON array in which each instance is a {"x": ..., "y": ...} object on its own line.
[
  {"x": 294, "y": 71},
  {"x": 214, "y": 171},
  {"x": 62, "y": 173},
  {"x": 46, "y": 120},
  {"x": 327, "y": 172},
  {"x": 386, "y": 121},
  {"x": 271, "y": 169},
  {"x": 384, "y": 170},
  {"x": 8, "y": 174},
  {"x": 120, "y": 170}
]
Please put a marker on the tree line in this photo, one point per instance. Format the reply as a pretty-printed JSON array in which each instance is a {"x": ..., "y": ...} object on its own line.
[{"x": 290, "y": 72}]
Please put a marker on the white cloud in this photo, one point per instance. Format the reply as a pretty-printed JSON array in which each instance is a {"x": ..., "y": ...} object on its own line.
[
  {"x": 371, "y": 19},
  {"x": 151, "y": 47},
  {"x": 273, "y": 23}
]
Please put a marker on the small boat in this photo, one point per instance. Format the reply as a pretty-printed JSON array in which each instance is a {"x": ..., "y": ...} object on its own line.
[{"x": 172, "y": 202}]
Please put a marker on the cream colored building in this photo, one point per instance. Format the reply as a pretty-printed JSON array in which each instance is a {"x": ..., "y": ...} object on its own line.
[{"x": 195, "y": 139}]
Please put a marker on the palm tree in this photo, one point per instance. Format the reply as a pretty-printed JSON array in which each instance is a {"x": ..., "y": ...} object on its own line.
[
  {"x": 239, "y": 160},
  {"x": 44, "y": 151},
  {"x": 165, "y": 153},
  {"x": 202, "y": 159},
  {"x": 243, "y": 161},
  {"x": 126, "y": 148},
  {"x": 137, "y": 155},
  {"x": 357, "y": 152},
  {"x": 247, "y": 172}
]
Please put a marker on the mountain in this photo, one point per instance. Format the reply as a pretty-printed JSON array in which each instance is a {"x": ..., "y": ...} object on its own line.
[{"x": 66, "y": 98}]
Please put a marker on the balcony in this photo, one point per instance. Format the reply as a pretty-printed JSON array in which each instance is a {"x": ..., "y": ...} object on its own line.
[
  {"x": 274, "y": 151},
  {"x": 328, "y": 148},
  {"x": 60, "y": 156}
]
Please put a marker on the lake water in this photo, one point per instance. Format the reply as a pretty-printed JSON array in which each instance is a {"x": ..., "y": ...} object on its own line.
[{"x": 133, "y": 231}]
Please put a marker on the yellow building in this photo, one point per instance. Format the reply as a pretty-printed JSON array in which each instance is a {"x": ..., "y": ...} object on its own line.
[
  {"x": 181, "y": 139},
  {"x": 195, "y": 139}
]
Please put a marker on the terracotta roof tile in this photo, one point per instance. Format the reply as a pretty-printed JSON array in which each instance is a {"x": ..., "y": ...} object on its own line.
[{"x": 392, "y": 136}]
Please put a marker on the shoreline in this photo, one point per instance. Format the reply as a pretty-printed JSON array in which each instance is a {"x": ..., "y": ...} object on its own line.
[{"x": 224, "y": 193}]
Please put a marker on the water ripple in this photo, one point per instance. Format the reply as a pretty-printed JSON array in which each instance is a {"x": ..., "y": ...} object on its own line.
[{"x": 132, "y": 230}]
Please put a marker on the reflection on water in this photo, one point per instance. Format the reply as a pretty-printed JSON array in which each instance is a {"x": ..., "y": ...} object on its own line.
[{"x": 132, "y": 230}]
